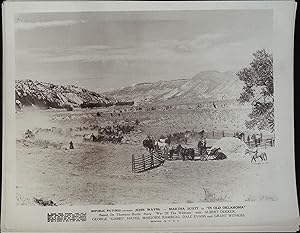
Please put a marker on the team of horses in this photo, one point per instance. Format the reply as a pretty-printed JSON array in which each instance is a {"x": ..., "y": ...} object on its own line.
[
  {"x": 177, "y": 138},
  {"x": 168, "y": 151},
  {"x": 164, "y": 147}
]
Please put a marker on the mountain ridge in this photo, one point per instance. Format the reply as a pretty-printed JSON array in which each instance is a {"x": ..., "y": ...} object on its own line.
[
  {"x": 204, "y": 86},
  {"x": 45, "y": 95}
]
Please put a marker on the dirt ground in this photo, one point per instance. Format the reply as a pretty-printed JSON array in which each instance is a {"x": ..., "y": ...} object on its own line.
[{"x": 100, "y": 173}]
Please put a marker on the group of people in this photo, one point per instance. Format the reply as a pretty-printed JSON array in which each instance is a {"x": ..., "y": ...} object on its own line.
[
  {"x": 163, "y": 144},
  {"x": 255, "y": 138}
]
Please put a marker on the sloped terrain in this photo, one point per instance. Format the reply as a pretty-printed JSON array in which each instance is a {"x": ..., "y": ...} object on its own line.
[
  {"x": 204, "y": 86},
  {"x": 47, "y": 95}
]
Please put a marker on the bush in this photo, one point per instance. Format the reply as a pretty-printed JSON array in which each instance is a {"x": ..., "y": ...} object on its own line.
[{"x": 68, "y": 107}]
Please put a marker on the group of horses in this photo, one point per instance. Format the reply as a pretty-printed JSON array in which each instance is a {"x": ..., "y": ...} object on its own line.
[
  {"x": 116, "y": 129},
  {"x": 183, "y": 152},
  {"x": 163, "y": 146},
  {"x": 179, "y": 138},
  {"x": 113, "y": 134}
]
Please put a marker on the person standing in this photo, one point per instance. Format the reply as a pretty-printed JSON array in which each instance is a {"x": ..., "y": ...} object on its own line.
[{"x": 71, "y": 145}]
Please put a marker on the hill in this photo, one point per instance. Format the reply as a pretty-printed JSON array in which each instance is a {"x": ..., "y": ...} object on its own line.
[
  {"x": 47, "y": 95},
  {"x": 204, "y": 86}
]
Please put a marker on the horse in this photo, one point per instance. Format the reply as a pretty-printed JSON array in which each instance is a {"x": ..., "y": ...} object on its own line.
[
  {"x": 188, "y": 153},
  {"x": 162, "y": 146},
  {"x": 179, "y": 150},
  {"x": 178, "y": 137},
  {"x": 254, "y": 155},
  {"x": 89, "y": 137},
  {"x": 148, "y": 144},
  {"x": 171, "y": 152},
  {"x": 175, "y": 151},
  {"x": 168, "y": 140},
  {"x": 184, "y": 153}
]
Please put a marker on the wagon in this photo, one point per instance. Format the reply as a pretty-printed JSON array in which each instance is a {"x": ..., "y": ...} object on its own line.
[{"x": 203, "y": 157}]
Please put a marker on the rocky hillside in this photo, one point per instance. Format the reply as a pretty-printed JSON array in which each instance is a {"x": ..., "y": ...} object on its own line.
[
  {"x": 46, "y": 95},
  {"x": 205, "y": 86}
]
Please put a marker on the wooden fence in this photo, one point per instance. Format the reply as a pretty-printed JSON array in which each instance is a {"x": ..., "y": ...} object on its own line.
[
  {"x": 217, "y": 134},
  {"x": 152, "y": 160},
  {"x": 146, "y": 161},
  {"x": 262, "y": 144}
]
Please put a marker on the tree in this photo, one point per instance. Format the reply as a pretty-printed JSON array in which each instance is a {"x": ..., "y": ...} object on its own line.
[{"x": 258, "y": 90}]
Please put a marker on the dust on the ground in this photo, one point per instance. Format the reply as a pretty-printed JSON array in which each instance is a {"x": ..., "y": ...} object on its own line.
[{"x": 100, "y": 173}]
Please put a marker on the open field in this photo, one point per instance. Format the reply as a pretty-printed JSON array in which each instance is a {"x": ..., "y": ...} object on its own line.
[{"x": 100, "y": 173}]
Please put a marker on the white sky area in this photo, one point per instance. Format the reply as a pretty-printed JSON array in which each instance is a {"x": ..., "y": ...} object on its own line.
[{"x": 108, "y": 50}]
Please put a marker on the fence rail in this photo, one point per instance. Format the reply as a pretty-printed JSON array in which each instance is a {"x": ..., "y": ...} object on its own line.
[
  {"x": 260, "y": 140},
  {"x": 270, "y": 142},
  {"x": 218, "y": 134},
  {"x": 146, "y": 162},
  {"x": 155, "y": 159}
]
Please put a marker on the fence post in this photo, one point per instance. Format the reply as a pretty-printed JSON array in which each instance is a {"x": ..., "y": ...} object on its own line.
[
  {"x": 152, "y": 160},
  {"x": 133, "y": 165},
  {"x": 213, "y": 134},
  {"x": 144, "y": 164},
  {"x": 223, "y": 133}
]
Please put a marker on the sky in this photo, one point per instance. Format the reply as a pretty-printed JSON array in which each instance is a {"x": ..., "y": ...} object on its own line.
[{"x": 103, "y": 51}]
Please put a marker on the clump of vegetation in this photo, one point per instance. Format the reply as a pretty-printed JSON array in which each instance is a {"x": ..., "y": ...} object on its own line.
[
  {"x": 43, "y": 202},
  {"x": 121, "y": 103},
  {"x": 259, "y": 91},
  {"x": 68, "y": 107},
  {"x": 95, "y": 104},
  {"x": 212, "y": 197}
]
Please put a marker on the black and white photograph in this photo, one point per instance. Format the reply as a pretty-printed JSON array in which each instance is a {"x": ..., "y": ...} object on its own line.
[
  {"x": 144, "y": 107},
  {"x": 143, "y": 116}
]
